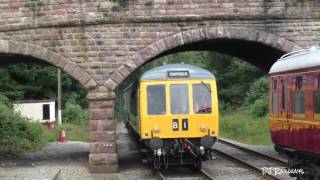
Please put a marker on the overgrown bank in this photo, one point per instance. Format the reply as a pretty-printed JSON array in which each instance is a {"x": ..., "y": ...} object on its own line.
[{"x": 243, "y": 127}]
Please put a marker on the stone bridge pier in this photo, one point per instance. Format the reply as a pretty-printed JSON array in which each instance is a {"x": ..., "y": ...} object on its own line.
[{"x": 102, "y": 125}]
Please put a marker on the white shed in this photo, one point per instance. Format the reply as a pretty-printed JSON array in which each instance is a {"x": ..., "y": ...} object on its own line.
[{"x": 37, "y": 110}]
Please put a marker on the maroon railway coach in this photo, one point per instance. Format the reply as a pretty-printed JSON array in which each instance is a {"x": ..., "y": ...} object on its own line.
[{"x": 295, "y": 109}]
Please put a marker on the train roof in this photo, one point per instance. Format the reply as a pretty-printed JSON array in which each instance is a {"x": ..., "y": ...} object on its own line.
[
  {"x": 177, "y": 71},
  {"x": 302, "y": 59}
]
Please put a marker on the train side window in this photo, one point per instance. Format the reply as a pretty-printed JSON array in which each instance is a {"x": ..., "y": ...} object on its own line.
[
  {"x": 298, "y": 97},
  {"x": 156, "y": 99},
  {"x": 179, "y": 98},
  {"x": 275, "y": 97},
  {"x": 317, "y": 95},
  {"x": 201, "y": 94}
]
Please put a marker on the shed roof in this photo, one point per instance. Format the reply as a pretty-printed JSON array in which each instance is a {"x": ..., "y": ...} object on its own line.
[
  {"x": 161, "y": 72},
  {"x": 34, "y": 101},
  {"x": 302, "y": 59}
]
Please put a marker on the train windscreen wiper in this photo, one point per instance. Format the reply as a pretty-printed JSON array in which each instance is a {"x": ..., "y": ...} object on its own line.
[{"x": 205, "y": 85}]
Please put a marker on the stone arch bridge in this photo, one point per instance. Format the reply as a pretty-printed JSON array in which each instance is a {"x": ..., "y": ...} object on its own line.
[{"x": 100, "y": 42}]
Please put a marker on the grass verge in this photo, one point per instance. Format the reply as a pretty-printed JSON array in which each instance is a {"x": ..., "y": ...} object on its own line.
[
  {"x": 73, "y": 132},
  {"x": 243, "y": 127}
]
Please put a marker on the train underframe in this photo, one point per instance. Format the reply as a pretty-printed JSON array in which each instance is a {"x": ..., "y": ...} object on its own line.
[
  {"x": 178, "y": 152},
  {"x": 301, "y": 160}
]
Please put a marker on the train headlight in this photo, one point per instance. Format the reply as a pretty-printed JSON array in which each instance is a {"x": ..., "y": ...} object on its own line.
[
  {"x": 203, "y": 128},
  {"x": 207, "y": 141},
  {"x": 156, "y": 129},
  {"x": 156, "y": 143}
]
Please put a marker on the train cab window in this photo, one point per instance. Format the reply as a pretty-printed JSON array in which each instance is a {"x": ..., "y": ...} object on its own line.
[
  {"x": 298, "y": 97},
  {"x": 317, "y": 95},
  {"x": 156, "y": 99},
  {"x": 179, "y": 99},
  {"x": 275, "y": 96},
  {"x": 201, "y": 94}
]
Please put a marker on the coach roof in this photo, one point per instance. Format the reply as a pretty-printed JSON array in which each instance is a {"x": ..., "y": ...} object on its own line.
[
  {"x": 302, "y": 59},
  {"x": 161, "y": 72}
]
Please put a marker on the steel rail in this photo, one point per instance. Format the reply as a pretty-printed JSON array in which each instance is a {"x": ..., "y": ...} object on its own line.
[
  {"x": 160, "y": 175},
  {"x": 248, "y": 165},
  {"x": 250, "y": 151},
  {"x": 206, "y": 174}
]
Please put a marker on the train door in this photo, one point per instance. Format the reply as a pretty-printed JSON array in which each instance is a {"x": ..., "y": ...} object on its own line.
[
  {"x": 279, "y": 113},
  {"x": 316, "y": 114},
  {"x": 284, "y": 109}
]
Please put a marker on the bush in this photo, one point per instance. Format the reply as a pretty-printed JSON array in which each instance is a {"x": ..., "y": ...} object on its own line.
[
  {"x": 260, "y": 107},
  {"x": 258, "y": 88},
  {"x": 74, "y": 114},
  {"x": 17, "y": 134},
  {"x": 256, "y": 100}
]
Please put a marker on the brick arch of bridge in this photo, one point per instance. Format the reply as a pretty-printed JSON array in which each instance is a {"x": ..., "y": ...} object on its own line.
[
  {"x": 9, "y": 49},
  {"x": 202, "y": 39},
  {"x": 103, "y": 157}
]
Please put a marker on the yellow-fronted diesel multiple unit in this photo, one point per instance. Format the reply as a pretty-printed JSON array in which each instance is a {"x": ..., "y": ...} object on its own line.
[{"x": 177, "y": 113}]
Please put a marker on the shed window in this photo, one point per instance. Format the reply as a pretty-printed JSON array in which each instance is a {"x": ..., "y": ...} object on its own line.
[
  {"x": 156, "y": 99},
  {"x": 275, "y": 97},
  {"x": 316, "y": 95},
  {"x": 46, "y": 112},
  {"x": 179, "y": 99},
  {"x": 298, "y": 97},
  {"x": 202, "y": 103}
]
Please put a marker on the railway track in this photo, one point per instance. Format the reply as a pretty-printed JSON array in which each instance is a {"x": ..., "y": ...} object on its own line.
[
  {"x": 202, "y": 174},
  {"x": 281, "y": 162},
  {"x": 251, "y": 159}
]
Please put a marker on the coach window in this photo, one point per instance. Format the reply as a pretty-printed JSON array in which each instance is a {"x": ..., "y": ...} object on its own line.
[
  {"x": 298, "y": 98},
  {"x": 156, "y": 99},
  {"x": 317, "y": 95},
  {"x": 275, "y": 97},
  {"x": 201, "y": 94},
  {"x": 179, "y": 99}
]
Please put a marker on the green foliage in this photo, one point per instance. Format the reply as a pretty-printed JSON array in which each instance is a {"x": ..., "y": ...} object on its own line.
[
  {"x": 258, "y": 88},
  {"x": 260, "y": 107},
  {"x": 243, "y": 127},
  {"x": 74, "y": 113},
  {"x": 17, "y": 135},
  {"x": 34, "y": 81},
  {"x": 5, "y": 100},
  {"x": 257, "y": 97},
  {"x": 73, "y": 132}
]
